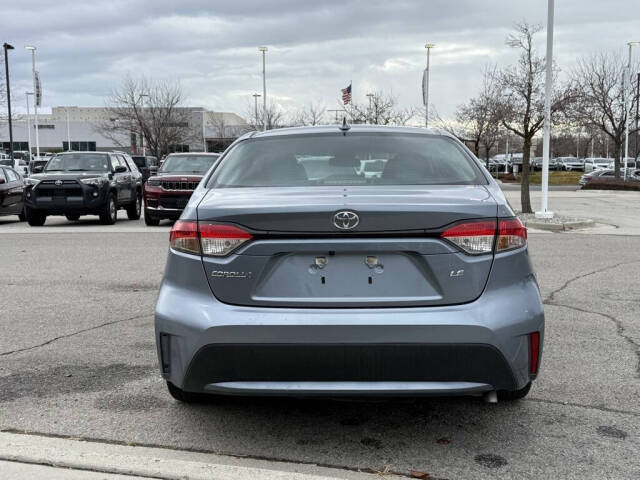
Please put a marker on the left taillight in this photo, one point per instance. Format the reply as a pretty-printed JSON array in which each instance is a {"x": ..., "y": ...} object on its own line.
[
  {"x": 209, "y": 239},
  {"x": 511, "y": 234},
  {"x": 475, "y": 238}
]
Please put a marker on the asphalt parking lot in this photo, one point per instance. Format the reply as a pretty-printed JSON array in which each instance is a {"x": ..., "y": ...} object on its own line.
[{"x": 77, "y": 359}]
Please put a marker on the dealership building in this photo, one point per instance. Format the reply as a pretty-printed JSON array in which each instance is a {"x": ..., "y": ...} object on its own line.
[{"x": 82, "y": 125}]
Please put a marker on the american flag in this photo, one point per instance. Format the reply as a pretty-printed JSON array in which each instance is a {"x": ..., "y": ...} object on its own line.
[{"x": 346, "y": 95}]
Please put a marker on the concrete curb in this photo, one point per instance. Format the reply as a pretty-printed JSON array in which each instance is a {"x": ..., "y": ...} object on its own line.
[
  {"x": 158, "y": 463},
  {"x": 560, "y": 227}
]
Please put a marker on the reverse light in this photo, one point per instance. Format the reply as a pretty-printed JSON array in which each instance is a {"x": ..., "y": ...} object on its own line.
[
  {"x": 221, "y": 240},
  {"x": 475, "y": 238},
  {"x": 511, "y": 234},
  {"x": 201, "y": 238}
]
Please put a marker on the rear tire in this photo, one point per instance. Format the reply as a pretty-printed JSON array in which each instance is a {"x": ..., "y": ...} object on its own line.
[
  {"x": 72, "y": 217},
  {"x": 109, "y": 213},
  {"x": 22, "y": 216},
  {"x": 150, "y": 220},
  {"x": 35, "y": 218},
  {"x": 182, "y": 396},
  {"x": 133, "y": 210},
  {"x": 511, "y": 395}
]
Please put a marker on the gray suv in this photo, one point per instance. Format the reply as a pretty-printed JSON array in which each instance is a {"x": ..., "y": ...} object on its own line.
[{"x": 291, "y": 272}]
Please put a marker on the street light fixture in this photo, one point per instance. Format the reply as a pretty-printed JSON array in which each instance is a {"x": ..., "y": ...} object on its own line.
[
  {"x": 35, "y": 96},
  {"x": 7, "y": 47},
  {"x": 264, "y": 88},
  {"x": 548, "y": 88},
  {"x": 26, "y": 94},
  {"x": 425, "y": 85},
  {"x": 144, "y": 148},
  {"x": 627, "y": 110}
]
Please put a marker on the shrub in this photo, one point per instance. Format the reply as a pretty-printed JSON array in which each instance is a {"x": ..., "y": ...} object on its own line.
[{"x": 611, "y": 184}]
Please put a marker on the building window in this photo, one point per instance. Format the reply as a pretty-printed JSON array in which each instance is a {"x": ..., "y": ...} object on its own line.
[
  {"x": 80, "y": 146},
  {"x": 16, "y": 146},
  {"x": 178, "y": 148}
]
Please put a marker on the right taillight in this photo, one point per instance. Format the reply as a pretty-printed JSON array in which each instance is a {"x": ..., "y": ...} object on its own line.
[
  {"x": 511, "y": 234},
  {"x": 202, "y": 238},
  {"x": 475, "y": 238},
  {"x": 534, "y": 352}
]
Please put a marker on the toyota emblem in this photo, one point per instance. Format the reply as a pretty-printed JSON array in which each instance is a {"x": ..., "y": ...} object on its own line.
[
  {"x": 58, "y": 182},
  {"x": 346, "y": 220}
]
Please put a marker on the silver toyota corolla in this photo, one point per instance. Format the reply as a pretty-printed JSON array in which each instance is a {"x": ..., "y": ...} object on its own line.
[{"x": 298, "y": 270}]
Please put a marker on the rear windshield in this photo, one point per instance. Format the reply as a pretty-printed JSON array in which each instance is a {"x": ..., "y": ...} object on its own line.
[
  {"x": 79, "y": 162},
  {"x": 188, "y": 163},
  {"x": 351, "y": 159}
]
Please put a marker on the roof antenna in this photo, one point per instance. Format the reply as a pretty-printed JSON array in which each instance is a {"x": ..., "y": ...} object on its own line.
[{"x": 345, "y": 127}]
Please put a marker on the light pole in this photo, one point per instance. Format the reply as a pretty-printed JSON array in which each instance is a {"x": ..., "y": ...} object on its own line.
[
  {"x": 7, "y": 47},
  {"x": 370, "y": 95},
  {"x": 204, "y": 134},
  {"x": 255, "y": 106},
  {"x": 264, "y": 88},
  {"x": 627, "y": 109},
  {"x": 548, "y": 88},
  {"x": 66, "y": 110},
  {"x": 425, "y": 85},
  {"x": 144, "y": 148},
  {"x": 26, "y": 94},
  {"x": 35, "y": 95}
]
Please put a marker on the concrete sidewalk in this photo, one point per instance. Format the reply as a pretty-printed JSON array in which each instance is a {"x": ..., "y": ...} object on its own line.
[{"x": 27, "y": 456}]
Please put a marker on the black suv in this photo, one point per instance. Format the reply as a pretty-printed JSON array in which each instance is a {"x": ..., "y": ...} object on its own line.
[
  {"x": 146, "y": 164},
  {"x": 85, "y": 183}
]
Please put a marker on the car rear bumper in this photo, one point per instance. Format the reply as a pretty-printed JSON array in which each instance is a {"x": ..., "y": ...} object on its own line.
[{"x": 209, "y": 346}]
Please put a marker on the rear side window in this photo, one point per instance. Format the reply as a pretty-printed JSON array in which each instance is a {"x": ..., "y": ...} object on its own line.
[
  {"x": 352, "y": 159},
  {"x": 2, "y": 175},
  {"x": 11, "y": 175}
]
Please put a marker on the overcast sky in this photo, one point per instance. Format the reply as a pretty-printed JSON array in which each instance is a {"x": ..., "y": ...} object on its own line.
[{"x": 315, "y": 47}]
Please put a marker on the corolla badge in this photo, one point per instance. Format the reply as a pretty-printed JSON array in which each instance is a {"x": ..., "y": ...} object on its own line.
[{"x": 346, "y": 220}]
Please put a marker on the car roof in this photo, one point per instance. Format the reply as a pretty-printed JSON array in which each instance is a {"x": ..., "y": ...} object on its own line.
[
  {"x": 359, "y": 128},
  {"x": 195, "y": 153}
]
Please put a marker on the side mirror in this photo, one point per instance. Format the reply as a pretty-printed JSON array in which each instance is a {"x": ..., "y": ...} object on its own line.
[
  {"x": 153, "y": 169},
  {"x": 38, "y": 169},
  {"x": 120, "y": 169}
]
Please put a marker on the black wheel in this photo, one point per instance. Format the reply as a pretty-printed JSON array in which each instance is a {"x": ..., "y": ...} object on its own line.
[
  {"x": 35, "y": 218},
  {"x": 72, "y": 217},
  {"x": 133, "y": 210},
  {"x": 181, "y": 395},
  {"x": 22, "y": 216},
  {"x": 510, "y": 395},
  {"x": 109, "y": 213},
  {"x": 150, "y": 220}
]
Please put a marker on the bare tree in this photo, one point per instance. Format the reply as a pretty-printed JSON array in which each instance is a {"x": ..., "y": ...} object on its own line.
[
  {"x": 312, "y": 114},
  {"x": 598, "y": 105},
  {"x": 383, "y": 109},
  {"x": 275, "y": 117},
  {"x": 148, "y": 108},
  {"x": 521, "y": 104}
]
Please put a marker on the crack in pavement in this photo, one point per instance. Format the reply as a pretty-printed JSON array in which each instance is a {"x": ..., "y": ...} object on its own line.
[
  {"x": 214, "y": 452},
  {"x": 582, "y": 405},
  {"x": 583, "y": 275},
  {"x": 620, "y": 330},
  {"x": 77, "y": 332}
]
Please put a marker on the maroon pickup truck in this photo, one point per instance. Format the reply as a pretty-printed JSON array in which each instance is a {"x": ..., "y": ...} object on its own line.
[{"x": 167, "y": 192}]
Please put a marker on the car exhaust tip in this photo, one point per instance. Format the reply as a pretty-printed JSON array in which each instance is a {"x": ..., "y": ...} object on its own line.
[{"x": 490, "y": 397}]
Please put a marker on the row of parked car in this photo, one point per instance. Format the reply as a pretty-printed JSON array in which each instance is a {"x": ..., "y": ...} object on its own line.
[
  {"x": 73, "y": 184},
  {"x": 502, "y": 163}
]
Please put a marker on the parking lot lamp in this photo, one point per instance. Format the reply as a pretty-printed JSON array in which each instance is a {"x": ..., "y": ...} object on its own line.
[
  {"x": 26, "y": 94},
  {"x": 627, "y": 109},
  {"x": 548, "y": 87},
  {"x": 255, "y": 106},
  {"x": 35, "y": 98},
  {"x": 425, "y": 85},
  {"x": 144, "y": 148},
  {"x": 8, "y": 47},
  {"x": 264, "y": 88}
]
